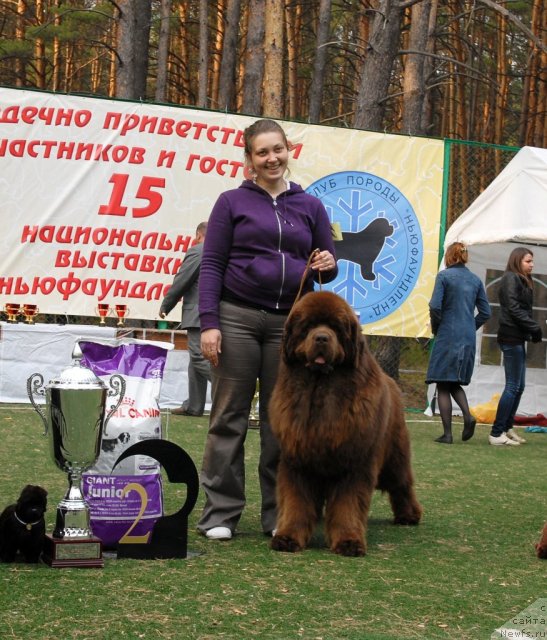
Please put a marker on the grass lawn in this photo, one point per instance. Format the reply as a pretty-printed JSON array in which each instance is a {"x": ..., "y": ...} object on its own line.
[{"x": 468, "y": 568}]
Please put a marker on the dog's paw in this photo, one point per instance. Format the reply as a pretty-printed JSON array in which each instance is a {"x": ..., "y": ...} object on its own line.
[
  {"x": 285, "y": 543},
  {"x": 409, "y": 518},
  {"x": 32, "y": 559},
  {"x": 350, "y": 548},
  {"x": 7, "y": 557}
]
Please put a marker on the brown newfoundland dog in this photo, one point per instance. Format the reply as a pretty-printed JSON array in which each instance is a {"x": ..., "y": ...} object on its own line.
[{"x": 340, "y": 425}]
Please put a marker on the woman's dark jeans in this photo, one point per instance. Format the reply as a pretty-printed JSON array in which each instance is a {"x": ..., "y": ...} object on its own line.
[{"x": 514, "y": 363}]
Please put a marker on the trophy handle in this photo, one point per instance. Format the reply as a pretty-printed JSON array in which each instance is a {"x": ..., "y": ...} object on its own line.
[
  {"x": 117, "y": 386},
  {"x": 35, "y": 385}
]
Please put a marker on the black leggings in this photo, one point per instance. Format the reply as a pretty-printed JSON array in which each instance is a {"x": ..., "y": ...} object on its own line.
[{"x": 445, "y": 392}]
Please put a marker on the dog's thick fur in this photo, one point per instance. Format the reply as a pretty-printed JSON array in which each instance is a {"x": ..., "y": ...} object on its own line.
[
  {"x": 22, "y": 526},
  {"x": 541, "y": 546},
  {"x": 340, "y": 425}
]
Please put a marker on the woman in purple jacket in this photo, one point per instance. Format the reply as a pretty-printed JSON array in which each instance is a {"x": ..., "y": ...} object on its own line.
[{"x": 258, "y": 242}]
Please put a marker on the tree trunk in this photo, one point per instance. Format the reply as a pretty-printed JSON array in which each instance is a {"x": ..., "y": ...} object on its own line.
[
  {"x": 501, "y": 94},
  {"x": 217, "y": 55},
  {"x": 163, "y": 50},
  {"x": 56, "y": 77},
  {"x": 40, "y": 49},
  {"x": 20, "y": 73},
  {"x": 293, "y": 22},
  {"x": 113, "y": 60},
  {"x": 383, "y": 45},
  {"x": 142, "y": 43},
  {"x": 133, "y": 36},
  {"x": 125, "y": 75},
  {"x": 273, "y": 60},
  {"x": 414, "y": 81},
  {"x": 184, "y": 85},
  {"x": 254, "y": 59},
  {"x": 428, "y": 106},
  {"x": 226, "y": 86},
  {"x": 318, "y": 77},
  {"x": 203, "y": 64},
  {"x": 388, "y": 354},
  {"x": 533, "y": 125}
]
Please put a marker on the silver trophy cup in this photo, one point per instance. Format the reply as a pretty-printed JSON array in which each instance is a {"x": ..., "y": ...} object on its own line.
[{"x": 74, "y": 420}]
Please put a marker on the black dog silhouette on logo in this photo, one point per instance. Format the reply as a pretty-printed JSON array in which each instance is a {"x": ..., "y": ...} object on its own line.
[{"x": 364, "y": 246}]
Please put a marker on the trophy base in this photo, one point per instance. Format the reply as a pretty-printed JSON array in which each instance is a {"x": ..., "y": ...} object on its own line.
[{"x": 73, "y": 552}]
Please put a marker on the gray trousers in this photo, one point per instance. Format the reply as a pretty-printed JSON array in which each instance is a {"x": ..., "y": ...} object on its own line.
[
  {"x": 199, "y": 373},
  {"x": 250, "y": 350}
]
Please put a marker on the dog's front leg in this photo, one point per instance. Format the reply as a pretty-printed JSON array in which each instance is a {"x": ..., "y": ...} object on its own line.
[
  {"x": 296, "y": 510},
  {"x": 9, "y": 551},
  {"x": 346, "y": 515}
]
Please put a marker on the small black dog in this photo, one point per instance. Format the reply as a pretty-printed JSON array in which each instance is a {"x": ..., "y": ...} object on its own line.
[{"x": 22, "y": 526}]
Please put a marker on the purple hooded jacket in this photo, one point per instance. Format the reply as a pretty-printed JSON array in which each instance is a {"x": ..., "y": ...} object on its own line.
[{"x": 257, "y": 247}]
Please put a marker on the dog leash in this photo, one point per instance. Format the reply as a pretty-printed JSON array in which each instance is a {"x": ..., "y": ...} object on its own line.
[{"x": 304, "y": 275}]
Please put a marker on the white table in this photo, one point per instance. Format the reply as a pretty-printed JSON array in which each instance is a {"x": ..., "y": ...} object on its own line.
[{"x": 47, "y": 349}]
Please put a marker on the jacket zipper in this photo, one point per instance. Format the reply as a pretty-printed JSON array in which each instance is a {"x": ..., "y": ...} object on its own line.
[{"x": 277, "y": 215}]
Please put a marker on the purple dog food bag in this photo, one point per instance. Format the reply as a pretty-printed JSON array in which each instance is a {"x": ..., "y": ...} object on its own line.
[{"x": 126, "y": 499}]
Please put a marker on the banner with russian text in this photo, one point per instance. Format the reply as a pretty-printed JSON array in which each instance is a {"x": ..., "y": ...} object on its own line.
[{"x": 100, "y": 200}]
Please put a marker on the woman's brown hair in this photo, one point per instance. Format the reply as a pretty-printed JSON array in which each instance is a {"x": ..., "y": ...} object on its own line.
[
  {"x": 514, "y": 263},
  {"x": 455, "y": 254}
]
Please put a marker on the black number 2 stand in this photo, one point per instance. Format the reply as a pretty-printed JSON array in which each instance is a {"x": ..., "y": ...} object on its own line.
[{"x": 169, "y": 536}]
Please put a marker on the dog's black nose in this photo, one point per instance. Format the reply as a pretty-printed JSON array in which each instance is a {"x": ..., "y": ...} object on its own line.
[{"x": 321, "y": 338}]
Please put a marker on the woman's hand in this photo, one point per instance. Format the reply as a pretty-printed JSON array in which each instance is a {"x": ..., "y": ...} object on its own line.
[
  {"x": 211, "y": 340},
  {"x": 323, "y": 261}
]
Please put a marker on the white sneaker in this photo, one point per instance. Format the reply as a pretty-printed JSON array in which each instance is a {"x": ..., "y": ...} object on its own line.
[
  {"x": 503, "y": 439},
  {"x": 219, "y": 533},
  {"x": 515, "y": 436}
]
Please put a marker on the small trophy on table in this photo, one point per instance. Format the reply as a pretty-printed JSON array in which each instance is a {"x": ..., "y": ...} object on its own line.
[
  {"x": 121, "y": 311},
  {"x": 12, "y": 310},
  {"x": 102, "y": 311},
  {"x": 30, "y": 311}
]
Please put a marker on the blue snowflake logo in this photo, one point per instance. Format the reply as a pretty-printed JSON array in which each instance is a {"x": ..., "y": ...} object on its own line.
[{"x": 381, "y": 251}]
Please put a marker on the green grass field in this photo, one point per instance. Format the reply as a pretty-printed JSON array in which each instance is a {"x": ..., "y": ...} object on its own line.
[{"x": 469, "y": 567}]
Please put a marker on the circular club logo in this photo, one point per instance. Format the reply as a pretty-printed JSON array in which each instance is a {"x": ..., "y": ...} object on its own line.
[{"x": 379, "y": 242}]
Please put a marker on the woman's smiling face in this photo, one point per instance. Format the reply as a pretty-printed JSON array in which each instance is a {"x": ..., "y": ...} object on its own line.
[{"x": 269, "y": 158}]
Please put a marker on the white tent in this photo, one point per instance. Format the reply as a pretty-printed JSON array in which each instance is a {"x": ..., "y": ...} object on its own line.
[{"x": 512, "y": 209}]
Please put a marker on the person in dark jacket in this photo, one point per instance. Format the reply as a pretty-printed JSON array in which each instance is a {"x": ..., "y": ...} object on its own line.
[
  {"x": 259, "y": 239},
  {"x": 185, "y": 286},
  {"x": 516, "y": 327},
  {"x": 456, "y": 294}
]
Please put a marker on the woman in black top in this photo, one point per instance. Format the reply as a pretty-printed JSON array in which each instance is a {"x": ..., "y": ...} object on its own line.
[{"x": 516, "y": 327}]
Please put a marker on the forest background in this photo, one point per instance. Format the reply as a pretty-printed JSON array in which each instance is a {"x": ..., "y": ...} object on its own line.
[{"x": 459, "y": 69}]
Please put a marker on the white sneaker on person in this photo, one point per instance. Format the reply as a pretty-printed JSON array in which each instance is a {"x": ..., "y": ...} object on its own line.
[
  {"x": 515, "y": 436},
  {"x": 503, "y": 439},
  {"x": 219, "y": 533}
]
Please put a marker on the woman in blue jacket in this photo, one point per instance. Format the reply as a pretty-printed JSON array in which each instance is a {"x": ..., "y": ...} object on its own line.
[
  {"x": 456, "y": 294},
  {"x": 258, "y": 242}
]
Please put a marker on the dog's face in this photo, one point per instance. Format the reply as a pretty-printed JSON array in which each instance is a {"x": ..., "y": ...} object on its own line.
[
  {"x": 32, "y": 503},
  {"x": 322, "y": 332}
]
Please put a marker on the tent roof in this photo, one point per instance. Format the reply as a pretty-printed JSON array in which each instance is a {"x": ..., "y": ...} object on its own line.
[{"x": 512, "y": 208}]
